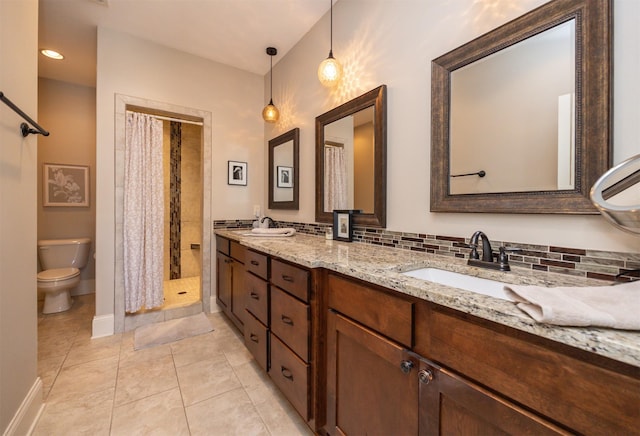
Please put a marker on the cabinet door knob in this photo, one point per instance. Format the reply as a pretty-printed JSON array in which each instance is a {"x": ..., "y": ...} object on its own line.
[
  {"x": 255, "y": 263},
  {"x": 406, "y": 366},
  {"x": 255, "y": 296},
  {"x": 287, "y": 278},
  {"x": 254, "y": 338},
  {"x": 285, "y": 319},
  {"x": 286, "y": 373},
  {"x": 425, "y": 376}
]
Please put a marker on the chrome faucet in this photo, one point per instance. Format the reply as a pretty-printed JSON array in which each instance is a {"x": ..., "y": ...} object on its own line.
[{"x": 487, "y": 253}]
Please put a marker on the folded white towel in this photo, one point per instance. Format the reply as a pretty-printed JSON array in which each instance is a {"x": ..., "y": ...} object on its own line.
[
  {"x": 286, "y": 231},
  {"x": 616, "y": 306}
]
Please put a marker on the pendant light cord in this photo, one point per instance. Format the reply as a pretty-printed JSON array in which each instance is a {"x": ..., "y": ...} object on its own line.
[
  {"x": 331, "y": 28},
  {"x": 271, "y": 81}
]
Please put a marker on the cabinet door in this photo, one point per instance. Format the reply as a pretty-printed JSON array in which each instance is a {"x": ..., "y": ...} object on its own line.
[
  {"x": 238, "y": 293},
  {"x": 451, "y": 405},
  {"x": 223, "y": 280},
  {"x": 371, "y": 386}
]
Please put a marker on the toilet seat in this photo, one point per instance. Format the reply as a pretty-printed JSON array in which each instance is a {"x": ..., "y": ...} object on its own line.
[{"x": 57, "y": 274}]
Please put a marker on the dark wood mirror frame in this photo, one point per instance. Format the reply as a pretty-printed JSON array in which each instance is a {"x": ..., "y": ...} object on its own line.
[
  {"x": 593, "y": 109},
  {"x": 377, "y": 98},
  {"x": 291, "y": 135}
]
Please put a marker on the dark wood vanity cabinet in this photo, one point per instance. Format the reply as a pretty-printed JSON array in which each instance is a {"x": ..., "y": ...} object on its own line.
[
  {"x": 278, "y": 324},
  {"x": 230, "y": 277},
  {"x": 398, "y": 365},
  {"x": 356, "y": 358}
]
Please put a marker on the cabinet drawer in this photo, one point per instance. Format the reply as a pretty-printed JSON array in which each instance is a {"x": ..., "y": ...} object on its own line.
[
  {"x": 237, "y": 251},
  {"x": 256, "y": 339},
  {"x": 390, "y": 315},
  {"x": 290, "y": 321},
  {"x": 291, "y": 375},
  {"x": 257, "y": 263},
  {"x": 257, "y": 301},
  {"x": 584, "y": 397},
  {"x": 291, "y": 278},
  {"x": 222, "y": 245}
]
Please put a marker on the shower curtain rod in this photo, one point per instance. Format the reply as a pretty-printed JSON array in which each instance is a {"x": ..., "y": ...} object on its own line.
[
  {"x": 24, "y": 127},
  {"x": 179, "y": 120}
]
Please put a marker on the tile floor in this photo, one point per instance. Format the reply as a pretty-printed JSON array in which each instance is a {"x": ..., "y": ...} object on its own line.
[{"x": 204, "y": 385}]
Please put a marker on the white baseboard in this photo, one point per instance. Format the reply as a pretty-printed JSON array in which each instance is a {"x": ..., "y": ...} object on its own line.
[
  {"x": 103, "y": 325},
  {"x": 27, "y": 415}
]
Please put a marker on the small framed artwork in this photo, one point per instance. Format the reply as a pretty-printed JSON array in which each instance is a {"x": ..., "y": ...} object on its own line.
[
  {"x": 343, "y": 225},
  {"x": 285, "y": 177},
  {"x": 237, "y": 173},
  {"x": 65, "y": 185}
]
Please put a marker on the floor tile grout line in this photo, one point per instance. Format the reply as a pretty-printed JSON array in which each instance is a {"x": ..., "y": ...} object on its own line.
[{"x": 184, "y": 406}]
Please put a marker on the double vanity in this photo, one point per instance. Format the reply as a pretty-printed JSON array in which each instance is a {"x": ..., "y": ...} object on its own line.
[{"x": 367, "y": 339}]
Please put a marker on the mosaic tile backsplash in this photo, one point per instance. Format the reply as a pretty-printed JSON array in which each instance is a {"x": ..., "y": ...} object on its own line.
[{"x": 596, "y": 264}]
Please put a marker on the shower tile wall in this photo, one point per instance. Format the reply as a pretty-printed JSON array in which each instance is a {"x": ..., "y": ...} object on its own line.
[{"x": 190, "y": 198}]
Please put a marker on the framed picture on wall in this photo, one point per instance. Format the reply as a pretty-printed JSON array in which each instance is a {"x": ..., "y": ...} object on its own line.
[
  {"x": 237, "y": 173},
  {"x": 285, "y": 177},
  {"x": 65, "y": 185}
]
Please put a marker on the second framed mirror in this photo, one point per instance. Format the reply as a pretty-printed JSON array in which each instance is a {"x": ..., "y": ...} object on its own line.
[
  {"x": 283, "y": 170},
  {"x": 351, "y": 167}
]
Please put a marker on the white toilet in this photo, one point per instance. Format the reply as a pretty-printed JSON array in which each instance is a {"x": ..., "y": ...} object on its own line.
[{"x": 61, "y": 260}]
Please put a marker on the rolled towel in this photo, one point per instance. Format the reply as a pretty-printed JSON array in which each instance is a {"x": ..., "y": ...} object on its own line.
[
  {"x": 286, "y": 231},
  {"x": 616, "y": 306}
]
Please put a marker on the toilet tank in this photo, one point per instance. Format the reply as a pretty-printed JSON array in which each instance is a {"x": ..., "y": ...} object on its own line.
[{"x": 63, "y": 253}]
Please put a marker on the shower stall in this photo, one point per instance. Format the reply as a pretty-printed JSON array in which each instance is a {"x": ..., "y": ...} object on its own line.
[{"x": 186, "y": 184}]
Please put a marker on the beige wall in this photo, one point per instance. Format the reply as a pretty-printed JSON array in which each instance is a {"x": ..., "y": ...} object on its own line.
[
  {"x": 69, "y": 113},
  {"x": 393, "y": 43},
  {"x": 133, "y": 67},
  {"x": 20, "y": 387}
]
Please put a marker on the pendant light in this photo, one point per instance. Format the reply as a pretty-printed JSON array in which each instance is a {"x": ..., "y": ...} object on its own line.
[
  {"x": 330, "y": 70},
  {"x": 270, "y": 113}
]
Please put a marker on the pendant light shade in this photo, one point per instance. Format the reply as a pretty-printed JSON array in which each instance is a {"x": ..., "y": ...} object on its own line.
[
  {"x": 330, "y": 70},
  {"x": 270, "y": 113}
]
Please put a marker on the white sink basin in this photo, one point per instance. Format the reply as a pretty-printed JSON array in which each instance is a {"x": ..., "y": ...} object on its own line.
[{"x": 478, "y": 285}]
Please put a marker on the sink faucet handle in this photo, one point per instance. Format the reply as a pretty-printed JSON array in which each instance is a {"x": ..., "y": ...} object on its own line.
[{"x": 503, "y": 257}]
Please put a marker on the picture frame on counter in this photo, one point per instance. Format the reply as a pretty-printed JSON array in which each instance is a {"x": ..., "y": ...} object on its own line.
[{"x": 343, "y": 225}]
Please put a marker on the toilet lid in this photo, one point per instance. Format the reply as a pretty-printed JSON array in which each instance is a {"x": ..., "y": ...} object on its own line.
[{"x": 51, "y": 275}]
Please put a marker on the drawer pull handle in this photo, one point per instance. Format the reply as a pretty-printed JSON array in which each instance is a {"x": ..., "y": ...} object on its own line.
[
  {"x": 255, "y": 296},
  {"x": 228, "y": 261},
  {"x": 285, "y": 319},
  {"x": 286, "y": 373},
  {"x": 254, "y": 338},
  {"x": 287, "y": 278},
  {"x": 255, "y": 263},
  {"x": 406, "y": 366}
]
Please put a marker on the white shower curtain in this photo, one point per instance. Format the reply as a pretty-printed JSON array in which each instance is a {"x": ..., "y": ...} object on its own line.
[
  {"x": 335, "y": 179},
  {"x": 143, "y": 213}
]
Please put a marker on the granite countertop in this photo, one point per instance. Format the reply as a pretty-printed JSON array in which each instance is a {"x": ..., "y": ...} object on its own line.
[{"x": 383, "y": 266}]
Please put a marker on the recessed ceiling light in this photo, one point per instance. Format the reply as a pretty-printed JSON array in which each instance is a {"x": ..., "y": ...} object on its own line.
[{"x": 51, "y": 54}]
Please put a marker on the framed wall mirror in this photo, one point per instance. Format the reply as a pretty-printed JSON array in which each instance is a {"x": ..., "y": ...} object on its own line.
[
  {"x": 521, "y": 116},
  {"x": 283, "y": 170},
  {"x": 351, "y": 154}
]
